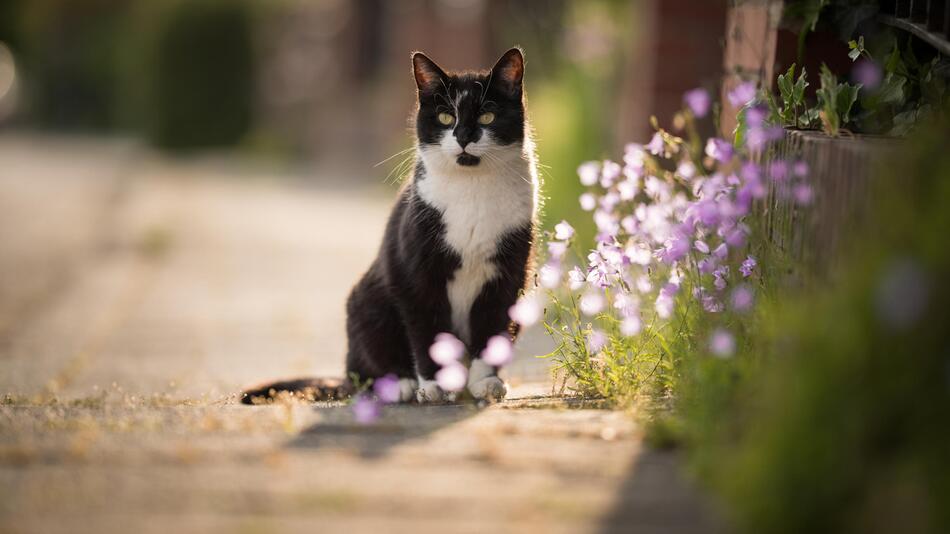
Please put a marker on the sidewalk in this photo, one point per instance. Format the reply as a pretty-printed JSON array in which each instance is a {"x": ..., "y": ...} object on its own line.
[{"x": 143, "y": 293}]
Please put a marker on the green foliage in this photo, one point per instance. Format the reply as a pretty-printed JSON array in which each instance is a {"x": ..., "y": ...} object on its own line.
[
  {"x": 831, "y": 418},
  {"x": 910, "y": 90},
  {"x": 627, "y": 369},
  {"x": 68, "y": 56},
  {"x": 794, "y": 110},
  {"x": 198, "y": 90},
  {"x": 832, "y": 111},
  {"x": 835, "y": 100}
]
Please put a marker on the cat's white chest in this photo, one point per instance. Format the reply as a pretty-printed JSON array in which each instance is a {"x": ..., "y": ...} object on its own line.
[{"x": 478, "y": 210}]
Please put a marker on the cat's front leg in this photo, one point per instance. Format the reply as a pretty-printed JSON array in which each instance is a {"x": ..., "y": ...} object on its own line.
[
  {"x": 422, "y": 326},
  {"x": 483, "y": 382},
  {"x": 489, "y": 318}
]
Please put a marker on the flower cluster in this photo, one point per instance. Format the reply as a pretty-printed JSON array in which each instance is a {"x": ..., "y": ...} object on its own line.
[
  {"x": 672, "y": 223},
  {"x": 447, "y": 351}
]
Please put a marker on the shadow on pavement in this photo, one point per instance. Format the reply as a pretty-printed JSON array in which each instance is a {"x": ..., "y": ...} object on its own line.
[
  {"x": 657, "y": 499},
  {"x": 397, "y": 424}
]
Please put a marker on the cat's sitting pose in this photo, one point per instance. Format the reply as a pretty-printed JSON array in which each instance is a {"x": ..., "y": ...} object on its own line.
[{"x": 458, "y": 245}]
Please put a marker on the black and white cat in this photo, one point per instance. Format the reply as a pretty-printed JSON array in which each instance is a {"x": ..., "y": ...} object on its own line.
[{"x": 458, "y": 245}]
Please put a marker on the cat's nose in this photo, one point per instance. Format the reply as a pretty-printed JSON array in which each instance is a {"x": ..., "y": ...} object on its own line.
[{"x": 464, "y": 136}]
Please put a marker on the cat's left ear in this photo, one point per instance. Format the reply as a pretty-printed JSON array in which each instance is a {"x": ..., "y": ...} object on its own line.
[
  {"x": 429, "y": 77},
  {"x": 509, "y": 71}
]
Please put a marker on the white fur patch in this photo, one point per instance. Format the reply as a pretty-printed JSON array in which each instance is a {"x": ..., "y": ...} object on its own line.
[
  {"x": 407, "y": 389},
  {"x": 479, "y": 205},
  {"x": 483, "y": 384},
  {"x": 478, "y": 371},
  {"x": 429, "y": 391}
]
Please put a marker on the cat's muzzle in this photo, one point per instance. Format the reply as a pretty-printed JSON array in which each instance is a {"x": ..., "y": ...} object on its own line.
[{"x": 468, "y": 160}]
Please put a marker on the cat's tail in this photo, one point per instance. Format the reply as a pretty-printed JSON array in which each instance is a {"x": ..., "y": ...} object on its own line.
[{"x": 306, "y": 389}]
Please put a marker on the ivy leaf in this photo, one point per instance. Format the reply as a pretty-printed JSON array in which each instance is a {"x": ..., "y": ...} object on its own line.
[
  {"x": 846, "y": 95},
  {"x": 891, "y": 91},
  {"x": 798, "y": 92},
  {"x": 785, "y": 85},
  {"x": 904, "y": 122},
  {"x": 856, "y": 47}
]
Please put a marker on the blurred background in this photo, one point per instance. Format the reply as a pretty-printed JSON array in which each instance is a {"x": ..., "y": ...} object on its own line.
[{"x": 243, "y": 155}]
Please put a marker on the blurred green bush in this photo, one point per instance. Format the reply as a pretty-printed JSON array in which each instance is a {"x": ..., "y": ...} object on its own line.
[
  {"x": 191, "y": 72},
  {"x": 68, "y": 57},
  {"x": 833, "y": 417},
  {"x": 180, "y": 71}
]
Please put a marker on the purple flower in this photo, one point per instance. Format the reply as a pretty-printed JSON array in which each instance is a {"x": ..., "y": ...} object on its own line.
[
  {"x": 577, "y": 278},
  {"x": 735, "y": 238},
  {"x": 656, "y": 146},
  {"x": 778, "y": 170},
  {"x": 867, "y": 73},
  {"x": 557, "y": 249},
  {"x": 563, "y": 230},
  {"x": 742, "y": 298},
  {"x": 592, "y": 303},
  {"x": 675, "y": 250},
  {"x": 755, "y": 116},
  {"x": 498, "y": 351},
  {"x": 588, "y": 202},
  {"x": 627, "y": 189},
  {"x": 527, "y": 311},
  {"x": 610, "y": 173},
  {"x": 606, "y": 223},
  {"x": 722, "y": 343},
  {"x": 631, "y": 325},
  {"x": 701, "y": 246},
  {"x": 589, "y": 173},
  {"x": 803, "y": 194},
  {"x": 742, "y": 94},
  {"x": 800, "y": 168},
  {"x": 719, "y": 149},
  {"x": 452, "y": 377},
  {"x": 686, "y": 169},
  {"x": 664, "y": 306},
  {"x": 596, "y": 341},
  {"x": 721, "y": 252},
  {"x": 698, "y": 101},
  {"x": 549, "y": 276},
  {"x": 719, "y": 282},
  {"x": 748, "y": 266},
  {"x": 707, "y": 265},
  {"x": 447, "y": 349},
  {"x": 708, "y": 213},
  {"x": 756, "y": 138},
  {"x": 386, "y": 388},
  {"x": 365, "y": 410},
  {"x": 711, "y": 304}
]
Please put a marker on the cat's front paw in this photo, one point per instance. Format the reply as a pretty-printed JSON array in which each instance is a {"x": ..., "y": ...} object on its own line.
[
  {"x": 490, "y": 388},
  {"x": 429, "y": 391},
  {"x": 407, "y": 389}
]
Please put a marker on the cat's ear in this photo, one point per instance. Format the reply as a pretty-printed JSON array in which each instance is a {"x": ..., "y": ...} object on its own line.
[
  {"x": 429, "y": 77},
  {"x": 509, "y": 71}
]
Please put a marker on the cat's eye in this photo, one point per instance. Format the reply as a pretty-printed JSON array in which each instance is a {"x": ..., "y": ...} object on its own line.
[
  {"x": 486, "y": 118},
  {"x": 446, "y": 119}
]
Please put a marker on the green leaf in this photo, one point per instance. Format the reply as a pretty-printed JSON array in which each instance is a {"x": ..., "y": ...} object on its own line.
[
  {"x": 798, "y": 93},
  {"x": 785, "y": 85},
  {"x": 891, "y": 91},
  {"x": 904, "y": 122},
  {"x": 847, "y": 95}
]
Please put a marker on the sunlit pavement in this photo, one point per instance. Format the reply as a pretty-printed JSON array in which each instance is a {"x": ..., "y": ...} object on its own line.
[{"x": 144, "y": 292}]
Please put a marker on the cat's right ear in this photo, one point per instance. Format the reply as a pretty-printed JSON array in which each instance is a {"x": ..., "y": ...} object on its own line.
[{"x": 429, "y": 77}]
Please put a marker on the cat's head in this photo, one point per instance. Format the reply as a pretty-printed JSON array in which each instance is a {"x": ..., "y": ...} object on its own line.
[{"x": 470, "y": 121}]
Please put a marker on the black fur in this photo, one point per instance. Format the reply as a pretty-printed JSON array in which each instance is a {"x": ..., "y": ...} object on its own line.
[{"x": 401, "y": 303}]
